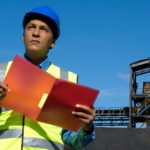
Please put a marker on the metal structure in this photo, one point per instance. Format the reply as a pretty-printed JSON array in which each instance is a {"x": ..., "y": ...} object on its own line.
[
  {"x": 115, "y": 117},
  {"x": 139, "y": 108}
]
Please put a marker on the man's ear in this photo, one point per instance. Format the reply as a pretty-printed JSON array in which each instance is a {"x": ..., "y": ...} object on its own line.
[{"x": 52, "y": 44}]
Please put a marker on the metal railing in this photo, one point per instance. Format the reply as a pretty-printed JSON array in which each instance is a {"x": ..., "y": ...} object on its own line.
[{"x": 116, "y": 117}]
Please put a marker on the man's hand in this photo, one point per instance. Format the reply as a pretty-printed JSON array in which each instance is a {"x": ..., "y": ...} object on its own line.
[
  {"x": 86, "y": 115},
  {"x": 3, "y": 90}
]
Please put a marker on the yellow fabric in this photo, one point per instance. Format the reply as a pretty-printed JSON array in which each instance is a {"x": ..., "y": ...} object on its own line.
[
  {"x": 31, "y": 128},
  {"x": 72, "y": 77},
  {"x": 42, "y": 130},
  {"x": 43, "y": 99},
  {"x": 8, "y": 66},
  {"x": 14, "y": 143},
  {"x": 10, "y": 120},
  {"x": 54, "y": 70}
]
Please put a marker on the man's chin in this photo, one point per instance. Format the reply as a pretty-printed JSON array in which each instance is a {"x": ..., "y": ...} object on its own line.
[{"x": 33, "y": 50}]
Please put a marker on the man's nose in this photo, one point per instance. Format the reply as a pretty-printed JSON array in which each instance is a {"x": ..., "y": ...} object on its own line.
[{"x": 36, "y": 32}]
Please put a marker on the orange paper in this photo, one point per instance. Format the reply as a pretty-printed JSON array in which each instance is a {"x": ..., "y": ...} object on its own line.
[{"x": 40, "y": 96}]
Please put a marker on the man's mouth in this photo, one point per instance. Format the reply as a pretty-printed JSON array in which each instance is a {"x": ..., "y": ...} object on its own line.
[{"x": 34, "y": 41}]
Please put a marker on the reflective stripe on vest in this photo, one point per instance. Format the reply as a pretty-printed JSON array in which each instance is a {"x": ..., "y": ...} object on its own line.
[
  {"x": 37, "y": 135},
  {"x": 11, "y": 133},
  {"x": 62, "y": 74},
  {"x": 41, "y": 143},
  {"x": 3, "y": 69},
  {"x": 30, "y": 142}
]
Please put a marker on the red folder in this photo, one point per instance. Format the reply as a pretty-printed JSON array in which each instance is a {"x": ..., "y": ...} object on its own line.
[{"x": 40, "y": 96}]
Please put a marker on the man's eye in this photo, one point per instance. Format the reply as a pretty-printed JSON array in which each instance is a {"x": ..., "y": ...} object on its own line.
[
  {"x": 44, "y": 29},
  {"x": 31, "y": 27}
]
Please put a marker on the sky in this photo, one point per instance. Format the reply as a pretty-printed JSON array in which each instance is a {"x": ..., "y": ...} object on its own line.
[{"x": 98, "y": 41}]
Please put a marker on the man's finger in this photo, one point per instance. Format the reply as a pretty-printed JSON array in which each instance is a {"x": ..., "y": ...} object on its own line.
[{"x": 4, "y": 86}]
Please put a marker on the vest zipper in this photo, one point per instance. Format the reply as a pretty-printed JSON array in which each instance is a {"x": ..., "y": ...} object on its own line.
[{"x": 22, "y": 138}]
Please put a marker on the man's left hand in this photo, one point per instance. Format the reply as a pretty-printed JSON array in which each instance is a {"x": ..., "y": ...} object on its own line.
[{"x": 86, "y": 115}]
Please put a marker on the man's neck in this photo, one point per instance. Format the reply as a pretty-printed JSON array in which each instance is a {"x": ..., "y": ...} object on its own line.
[{"x": 35, "y": 60}]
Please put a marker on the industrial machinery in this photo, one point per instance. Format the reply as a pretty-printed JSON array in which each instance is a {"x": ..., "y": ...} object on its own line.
[{"x": 138, "y": 111}]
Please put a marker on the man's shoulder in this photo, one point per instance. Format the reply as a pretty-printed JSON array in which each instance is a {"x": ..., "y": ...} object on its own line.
[
  {"x": 62, "y": 73},
  {"x": 61, "y": 69},
  {"x": 4, "y": 66}
]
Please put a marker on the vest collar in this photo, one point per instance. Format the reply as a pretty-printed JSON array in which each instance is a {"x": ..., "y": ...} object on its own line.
[{"x": 44, "y": 65}]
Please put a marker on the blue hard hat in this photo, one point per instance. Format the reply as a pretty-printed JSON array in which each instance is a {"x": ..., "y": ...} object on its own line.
[{"x": 45, "y": 14}]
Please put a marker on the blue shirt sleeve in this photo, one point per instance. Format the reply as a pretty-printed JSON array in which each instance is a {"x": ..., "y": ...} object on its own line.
[{"x": 77, "y": 139}]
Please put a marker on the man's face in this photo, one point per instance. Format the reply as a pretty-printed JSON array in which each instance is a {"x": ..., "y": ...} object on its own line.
[{"x": 37, "y": 38}]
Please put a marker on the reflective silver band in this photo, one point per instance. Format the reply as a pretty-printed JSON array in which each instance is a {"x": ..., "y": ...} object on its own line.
[
  {"x": 30, "y": 142},
  {"x": 11, "y": 133},
  {"x": 41, "y": 143},
  {"x": 3, "y": 109},
  {"x": 63, "y": 74},
  {"x": 3, "y": 67}
]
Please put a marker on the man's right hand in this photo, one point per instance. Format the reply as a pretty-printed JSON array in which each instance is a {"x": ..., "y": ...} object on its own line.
[{"x": 3, "y": 90}]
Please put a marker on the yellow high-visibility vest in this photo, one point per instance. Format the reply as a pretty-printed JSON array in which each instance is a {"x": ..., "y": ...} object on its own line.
[{"x": 21, "y": 133}]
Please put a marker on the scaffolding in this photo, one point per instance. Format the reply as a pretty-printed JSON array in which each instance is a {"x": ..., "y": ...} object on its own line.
[
  {"x": 139, "y": 105},
  {"x": 138, "y": 110}
]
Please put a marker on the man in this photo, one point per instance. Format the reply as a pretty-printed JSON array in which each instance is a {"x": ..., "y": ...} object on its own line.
[{"x": 17, "y": 132}]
